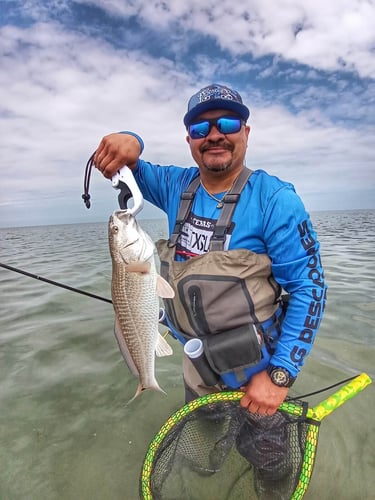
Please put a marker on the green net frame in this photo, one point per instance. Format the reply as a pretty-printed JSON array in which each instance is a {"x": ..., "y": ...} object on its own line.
[{"x": 313, "y": 416}]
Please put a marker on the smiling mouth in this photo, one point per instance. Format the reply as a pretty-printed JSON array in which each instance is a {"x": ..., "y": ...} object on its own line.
[{"x": 216, "y": 149}]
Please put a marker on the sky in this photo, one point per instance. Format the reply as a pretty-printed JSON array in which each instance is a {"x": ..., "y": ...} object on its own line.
[{"x": 73, "y": 71}]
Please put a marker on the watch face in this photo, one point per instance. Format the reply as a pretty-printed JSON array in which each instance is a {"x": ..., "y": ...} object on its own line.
[{"x": 280, "y": 377}]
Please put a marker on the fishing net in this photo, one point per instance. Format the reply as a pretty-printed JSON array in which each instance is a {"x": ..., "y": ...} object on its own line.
[
  {"x": 235, "y": 452},
  {"x": 213, "y": 449}
]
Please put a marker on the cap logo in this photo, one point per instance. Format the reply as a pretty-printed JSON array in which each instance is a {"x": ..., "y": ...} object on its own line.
[{"x": 211, "y": 93}]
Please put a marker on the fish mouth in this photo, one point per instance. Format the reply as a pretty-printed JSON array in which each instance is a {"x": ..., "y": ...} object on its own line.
[{"x": 121, "y": 214}]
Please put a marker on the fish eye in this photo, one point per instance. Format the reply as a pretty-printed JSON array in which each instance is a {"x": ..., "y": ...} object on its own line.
[{"x": 115, "y": 229}]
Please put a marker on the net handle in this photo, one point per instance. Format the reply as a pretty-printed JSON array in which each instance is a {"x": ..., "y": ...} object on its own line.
[
  {"x": 337, "y": 399},
  {"x": 334, "y": 401}
]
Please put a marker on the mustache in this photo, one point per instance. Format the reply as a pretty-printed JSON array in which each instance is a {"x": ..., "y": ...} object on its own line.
[{"x": 214, "y": 144}]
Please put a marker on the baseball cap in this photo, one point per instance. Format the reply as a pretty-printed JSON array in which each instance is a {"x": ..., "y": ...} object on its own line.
[{"x": 215, "y": 96}]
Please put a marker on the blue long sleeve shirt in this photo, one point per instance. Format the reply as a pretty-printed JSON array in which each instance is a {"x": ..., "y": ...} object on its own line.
[{"x": 269, "y": 218}]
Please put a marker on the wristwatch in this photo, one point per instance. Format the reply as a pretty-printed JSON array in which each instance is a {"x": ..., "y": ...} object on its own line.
[{"x": 280, "y": 376}]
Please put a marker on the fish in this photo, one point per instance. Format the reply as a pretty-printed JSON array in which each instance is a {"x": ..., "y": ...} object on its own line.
[{"x": 136, "y": 288}]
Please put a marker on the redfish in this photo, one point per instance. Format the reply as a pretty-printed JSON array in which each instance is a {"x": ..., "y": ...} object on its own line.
[{"x": 136, "y": 288}]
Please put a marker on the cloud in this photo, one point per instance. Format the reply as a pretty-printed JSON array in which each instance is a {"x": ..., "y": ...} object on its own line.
[
  {"x": 63, "y": 87},
  {"x": 333, "y": 35},
  {"x": 311, "y": 152},
  {"x": 58, "y": 102}
]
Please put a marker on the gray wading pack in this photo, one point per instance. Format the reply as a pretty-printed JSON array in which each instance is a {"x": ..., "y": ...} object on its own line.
[{"x": 222, "y": 296}]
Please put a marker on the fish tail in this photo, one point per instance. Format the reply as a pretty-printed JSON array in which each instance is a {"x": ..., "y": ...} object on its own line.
[{"x": 153, "y": 387}]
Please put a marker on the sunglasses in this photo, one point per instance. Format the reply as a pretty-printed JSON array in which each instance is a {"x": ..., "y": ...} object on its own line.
[{"x": 224, "y": 124}]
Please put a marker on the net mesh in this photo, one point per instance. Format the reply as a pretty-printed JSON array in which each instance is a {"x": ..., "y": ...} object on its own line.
[{"x": 221, "y": 451}]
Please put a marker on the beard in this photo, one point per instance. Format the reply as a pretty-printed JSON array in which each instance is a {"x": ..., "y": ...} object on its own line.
[
  {"x": 217, "y": 164},
  {"x": 220, "y": 167}
]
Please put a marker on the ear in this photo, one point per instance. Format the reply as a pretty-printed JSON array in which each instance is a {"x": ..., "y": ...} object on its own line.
[{"x": 188, "y": 139}]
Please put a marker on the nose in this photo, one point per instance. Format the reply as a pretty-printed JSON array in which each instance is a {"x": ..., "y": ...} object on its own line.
[{"x": 214, "y": 134}]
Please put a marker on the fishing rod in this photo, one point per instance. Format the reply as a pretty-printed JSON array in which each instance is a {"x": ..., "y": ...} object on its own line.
[{"x": 56, "y": 283}]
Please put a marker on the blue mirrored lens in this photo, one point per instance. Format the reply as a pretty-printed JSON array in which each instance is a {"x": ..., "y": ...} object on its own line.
[
  {"x": 228, "y": 125},
  {"x": 199, "y": 130},
  {"x": 224, "y": 124}
]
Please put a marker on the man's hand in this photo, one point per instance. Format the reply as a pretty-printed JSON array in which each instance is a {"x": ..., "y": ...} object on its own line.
[
  {"x": 262, "y": 396},
  {"x": 115, "y": 151}
]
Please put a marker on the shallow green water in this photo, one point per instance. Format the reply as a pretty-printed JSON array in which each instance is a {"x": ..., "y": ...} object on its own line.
[{"x": 65, "y": 429}]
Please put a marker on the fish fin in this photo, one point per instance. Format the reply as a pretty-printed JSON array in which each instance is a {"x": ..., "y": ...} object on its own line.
[
  {"x": 138, "y": 267},
  {"x": 162, "y": 347},
  {"x": 124, "y": 349},
  {"x": 140, "y": 389},
  {"x": 163, "y": 288}
]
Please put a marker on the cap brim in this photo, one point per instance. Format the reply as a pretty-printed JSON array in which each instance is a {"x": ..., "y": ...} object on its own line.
[{"x": 236, "y": 107}]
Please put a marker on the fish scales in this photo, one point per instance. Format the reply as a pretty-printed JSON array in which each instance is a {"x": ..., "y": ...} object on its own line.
[
  {"x": 135, "y": 288},
  {"x": 137, "y": 310}
]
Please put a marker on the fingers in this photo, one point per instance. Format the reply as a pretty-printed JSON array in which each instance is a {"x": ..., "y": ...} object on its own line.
[
  {"x": 105, "y": 161},
  {"x": 257, "y": 408},
  {"x": 107, "y": 165},
  {"x": 107, "y": 158}
]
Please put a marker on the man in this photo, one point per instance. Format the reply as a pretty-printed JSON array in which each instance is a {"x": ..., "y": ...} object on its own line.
[{"x": 263, "y": 244}]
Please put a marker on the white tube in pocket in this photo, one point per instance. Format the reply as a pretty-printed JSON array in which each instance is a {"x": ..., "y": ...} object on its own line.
[{"x": 194, "y": 350}]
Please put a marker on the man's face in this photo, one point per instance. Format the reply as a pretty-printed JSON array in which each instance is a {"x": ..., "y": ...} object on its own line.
[{"x": 219, "y": 152}]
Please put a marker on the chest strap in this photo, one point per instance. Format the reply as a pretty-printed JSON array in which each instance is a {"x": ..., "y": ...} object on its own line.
[
  {"x": 186, "y": 201},
  {"x": 223, "y": 223}
]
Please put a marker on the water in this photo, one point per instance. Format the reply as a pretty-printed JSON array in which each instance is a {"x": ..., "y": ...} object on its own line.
[{"x": 65, "y": 430}]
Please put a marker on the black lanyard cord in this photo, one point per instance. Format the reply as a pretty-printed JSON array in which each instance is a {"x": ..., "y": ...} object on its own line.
[
  {"x": 303, "y": 396},
  {"x": 86, "y": 182}
]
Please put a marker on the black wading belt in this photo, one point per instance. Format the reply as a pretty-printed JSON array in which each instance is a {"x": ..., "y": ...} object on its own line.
[{"x": 224, "y": 221}]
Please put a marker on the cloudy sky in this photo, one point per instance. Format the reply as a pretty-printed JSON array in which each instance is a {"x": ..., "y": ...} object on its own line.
[{"x": 72, "y": 71}]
